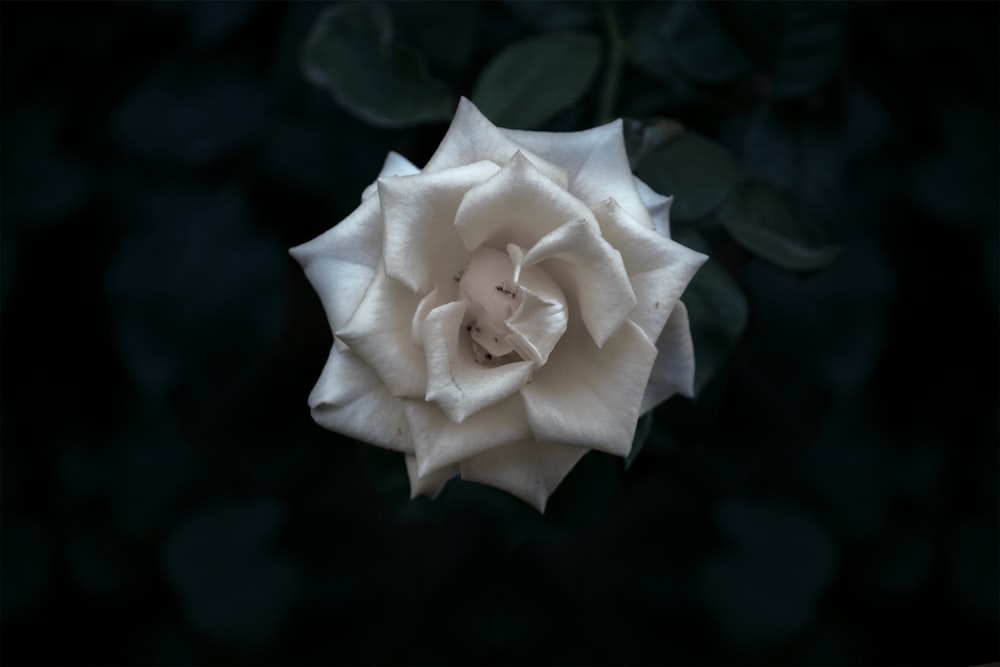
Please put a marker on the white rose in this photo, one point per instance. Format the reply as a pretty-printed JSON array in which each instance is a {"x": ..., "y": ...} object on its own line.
[{"x": 504, "y": 310}]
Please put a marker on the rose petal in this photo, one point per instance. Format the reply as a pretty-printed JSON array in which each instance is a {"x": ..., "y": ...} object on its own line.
[
  {"x": 440, "y": 443},
  {"x": 420, "y": 243},
  {"x": 429, "y": 485},
  {"x": 659, "y": 269},
  {"x": 517, "y": 205},
  {"x": 587, "y": 268},
  {"x": 350, "y": 399},
  {"x": 528, "y": 469},
  {"x": 673, "y": 370},
  {"x": 379, "y": 332},
  {"x": 588, "y": 396},
  {"x": 538, "y": 323},
  {"x": 459, "y": 385},
  {"x": 472, "y": 137},
  {"x": 658, "y": 206},
  {"x": 595, "y": 161},
  {"x": 394, "y": 165},
  {"x": 340, "y": 263}
]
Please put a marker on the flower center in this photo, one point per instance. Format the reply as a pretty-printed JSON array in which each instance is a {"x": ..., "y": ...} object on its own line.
[{"x": 492, "y": 295}]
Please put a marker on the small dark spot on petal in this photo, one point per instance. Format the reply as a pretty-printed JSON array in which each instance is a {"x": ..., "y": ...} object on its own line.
[
  {"x": 468, "y": 327},
  {"x": 489, "y": 356}
]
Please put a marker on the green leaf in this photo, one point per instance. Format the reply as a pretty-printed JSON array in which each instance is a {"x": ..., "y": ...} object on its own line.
[
  {"x": 717, "y": 310},
  {"x": 553, "y": 14},
  {"x": 644, "y": 137},
  {"x": 533, "y": 79},
  {"x": 446, "y": 33},
  {"x": 686, "y": 37},
  {"x": 762, "y": 219},
  {"x": 351, "y": 53},
  {"x": 699, "y": 173}
]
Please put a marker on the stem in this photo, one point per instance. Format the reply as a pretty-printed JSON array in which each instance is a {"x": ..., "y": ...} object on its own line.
[{"x": 613, "y": 70}]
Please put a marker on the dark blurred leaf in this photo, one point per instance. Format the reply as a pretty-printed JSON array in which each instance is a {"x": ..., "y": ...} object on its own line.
[
  {"x": 642, "y": 137},
  {"x": 40, "y": 183},
  {"x": 210, "y": 23},
  {"x": 190, "y": 115},
  {"x": 753, "y": 26},
  {"x": 717, "y": 310},
  {"x": 699, "y": 173},
  {"x": 687, "y": 37},
  {"x": 958, "y": 183},
  {"x": 762, "y": 219},
  {"x": 805, "y": 158},
  {"x": 765, "y": 586},
  {"x": 25, "y": 562},
  {"x": 533, "y": 79},
  {"x": 444, "y": 32},
  {"x": 974, "y": 564},
  {"x": 236, "y": 586},
  {"x": 554, "y": 15},
  {"x": 155, "y": 466},
  {"x": 197, "y": 291},
  {"x": 810, "y": 49},
  {"x": 351, "y": 52}
]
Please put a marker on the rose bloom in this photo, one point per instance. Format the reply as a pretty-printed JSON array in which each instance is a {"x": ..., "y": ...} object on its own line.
[{"x": 504, "y": 310}]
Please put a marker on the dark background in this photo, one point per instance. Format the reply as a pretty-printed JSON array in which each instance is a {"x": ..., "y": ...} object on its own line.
[{"x": 831, "y": 497}]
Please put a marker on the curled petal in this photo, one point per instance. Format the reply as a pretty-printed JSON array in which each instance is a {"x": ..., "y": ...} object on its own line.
[
  {"x": 420, "y": 243},
  {"x": 587, "y": 268},
  {"x": 538, "y": 324},
  {"x": 528, "y": 469},
  {"x": 428, "y": 485},
  {"x": 349, "y": 398},
  {"x": 673, "y": 370},
  {"x": 659, "y": 269},
  {"x": 472, "y": 137},
  {"x": 340, "y": 263},
  {"x": 518, "y": 205},
  {"x": 440, "y": 443},
  {"x": 595, "y": 161},
  {"x": 588, "y": 396},
  {"x": 379, "y": 332},
  {"x": 459, "y": 385},
  {"x": 658, "y": 206},
  {"x": 394, "y": 165}
]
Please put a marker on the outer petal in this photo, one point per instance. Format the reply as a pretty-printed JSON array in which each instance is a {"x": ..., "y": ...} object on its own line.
[
  {"x": 588, "y": 396},
  {"x": 658, "y": 206},
  {"x": 459, "y": 385},
  {"x": 595, "y": 162},
  {"x": 659, "y": 269},
  {"x": 380, "y": 333},
  {"x": 420, "y": 244},
  {"x": 350, "y": 399},
  {"x": 440, "y": 443},
  {"x": 429, "y": 485},
  {"x": 341, "y": 262},
  {"x": 673, "y": 370},
  {"x": 472, "y": 137},
  {"x": 528, "y": 469},
  {"x": 587, "y": 268},
  {"x": 517, "y": 205},
  {"x": 394, "y": 165}
]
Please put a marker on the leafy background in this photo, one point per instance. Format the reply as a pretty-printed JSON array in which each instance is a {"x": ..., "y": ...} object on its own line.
[{"x": 830, "y": 497}]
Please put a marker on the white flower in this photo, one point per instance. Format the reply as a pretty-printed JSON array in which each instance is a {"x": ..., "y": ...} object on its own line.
[{"x": 504, "y": 310}]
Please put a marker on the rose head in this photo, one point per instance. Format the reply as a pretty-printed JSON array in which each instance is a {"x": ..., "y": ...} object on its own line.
[{"x": 504, "y": 310}]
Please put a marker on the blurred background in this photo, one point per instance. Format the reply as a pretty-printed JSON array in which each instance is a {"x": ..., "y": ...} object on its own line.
[{"x": 831, "y": 496}]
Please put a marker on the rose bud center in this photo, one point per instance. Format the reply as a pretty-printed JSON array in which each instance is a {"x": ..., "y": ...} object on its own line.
[{"x": 492, "y": 296}]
